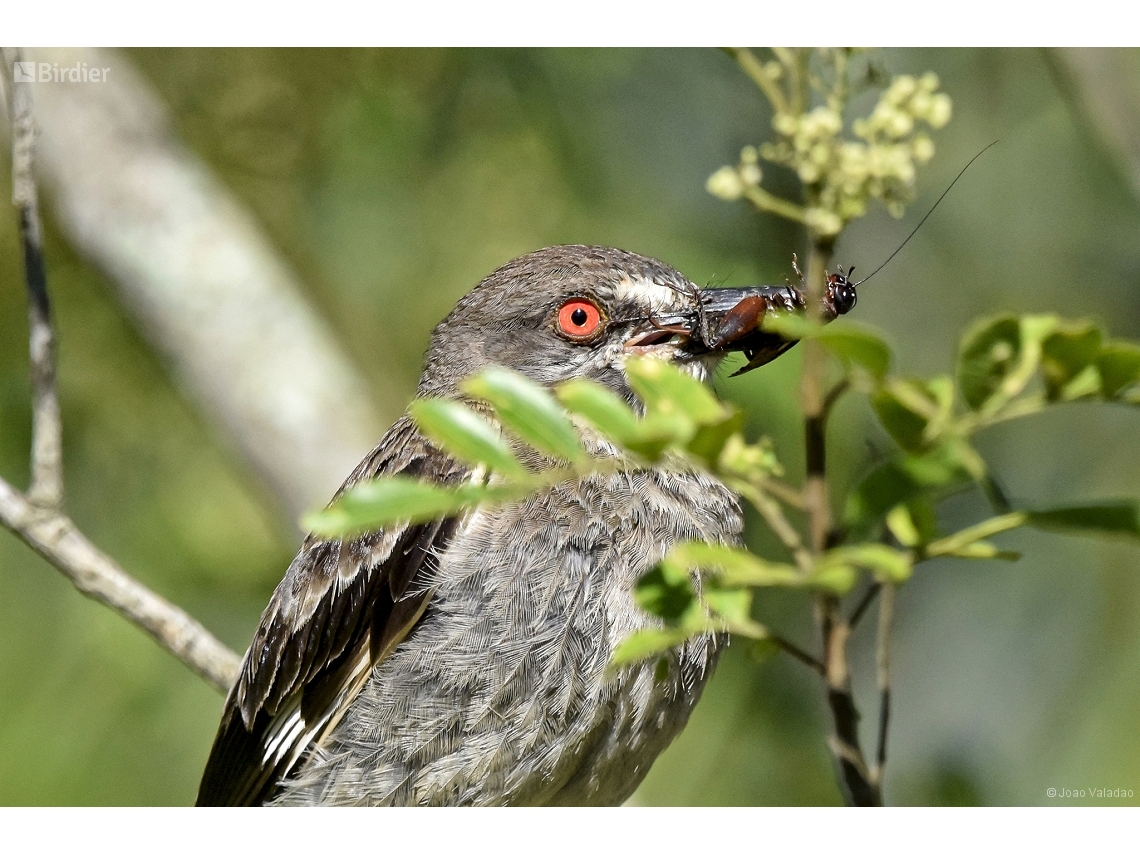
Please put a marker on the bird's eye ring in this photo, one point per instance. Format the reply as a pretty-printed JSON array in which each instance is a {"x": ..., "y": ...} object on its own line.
[{"x": 579, "y": 319}]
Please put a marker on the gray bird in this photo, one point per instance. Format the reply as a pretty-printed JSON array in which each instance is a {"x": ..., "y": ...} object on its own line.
[{"x": 464, "y": 661}]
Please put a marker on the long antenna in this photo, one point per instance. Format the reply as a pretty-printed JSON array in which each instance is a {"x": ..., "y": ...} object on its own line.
[{"x": 928, "y": 213}]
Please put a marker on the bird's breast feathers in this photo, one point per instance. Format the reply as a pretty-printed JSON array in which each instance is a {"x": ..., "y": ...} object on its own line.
[{"x": 505, "y": 695}]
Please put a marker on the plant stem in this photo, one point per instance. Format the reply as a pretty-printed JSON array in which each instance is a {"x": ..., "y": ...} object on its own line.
[
  {"x": 858, "y": 787},
  {"x": 747, "y": 60},
  {"x": 883, "y": 667}
]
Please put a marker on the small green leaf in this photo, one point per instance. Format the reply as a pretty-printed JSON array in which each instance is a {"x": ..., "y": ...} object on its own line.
[
  {"x": 710, "y": 439},
  {"x": 961, "y": 542},
  {"x": 988, "y": 352},
  {"x": 857, "y": 345},
  {"x": 373, "y": 504},
  {"x": 733, "y": 605},
  {"x": 1068, "y": 352},
  {"x": 887, "y": 564},
  {"x": 906, "y": 407},
  {"x": 951, "y": 462},
  {"x": 983, "y": 550},
  {"x": 1107, "y": 518},
  {"x": 886, "y": 486},
  {"x": 666, "y": 591},
  {"x": 1119, "y": 364},
  {"x": 853, "y": 343},
  {"x": 616, "y": 420},
  {"x": 789, "y": 325},
  {"x": 733, "y": 567},
  {"x": 902, "y": 526},
  {"x": 528, "y": 410},
  {"x": 667, "y": 390},
  {"x": 748, "y": 460},
  {"x": 647, "y": 643},
  {"x": 462, "y": 432},
  {"x": 599, "y": 406},
  {"x": 836, "y": 579}
]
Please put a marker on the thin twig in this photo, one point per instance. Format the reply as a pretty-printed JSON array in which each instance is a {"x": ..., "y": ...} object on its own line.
[
  {"x": 786, "y": 493},
  {"x": 883, "y": 667},
  {"x": 755, "y": 69},
  {"x": 773, "y": 515},
  {"x": 868, "y": 598},
  {"x": 834, "y": 394},
  {"x": 36, "y": 517},
  {"x": 765, "y": 201},
  {"x": 797, "y": 652},
  {"x": 46, "y": 489}
]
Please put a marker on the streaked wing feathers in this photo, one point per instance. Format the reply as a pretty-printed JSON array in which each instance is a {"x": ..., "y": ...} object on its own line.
[{"x": 341, "y": 608}]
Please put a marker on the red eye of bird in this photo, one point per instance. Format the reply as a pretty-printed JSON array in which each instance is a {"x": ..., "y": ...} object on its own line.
[{"x": 579, "y": 318}]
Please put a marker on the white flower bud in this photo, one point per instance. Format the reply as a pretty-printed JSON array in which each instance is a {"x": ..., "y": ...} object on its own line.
[
  {"x": 750, "y": 174},
  {"x": 725, "y": 184},
  {"x": 940, "y": 110}
]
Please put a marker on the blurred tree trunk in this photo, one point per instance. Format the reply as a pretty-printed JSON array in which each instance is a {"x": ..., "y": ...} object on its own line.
[{"x": 205, "y": 285}]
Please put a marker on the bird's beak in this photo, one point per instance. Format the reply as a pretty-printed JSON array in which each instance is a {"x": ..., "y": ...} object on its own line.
[{"x": 725, "y": 320}]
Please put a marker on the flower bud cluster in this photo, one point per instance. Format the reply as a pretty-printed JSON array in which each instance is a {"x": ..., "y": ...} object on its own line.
[{"x": 843, "y": 175}]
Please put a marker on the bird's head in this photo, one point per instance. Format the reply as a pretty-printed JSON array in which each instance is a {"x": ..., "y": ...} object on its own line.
[{"x": 579, "y": 311}]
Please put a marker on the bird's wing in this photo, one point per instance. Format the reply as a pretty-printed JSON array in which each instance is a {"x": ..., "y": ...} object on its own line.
[{"x": 341, "y": 608}]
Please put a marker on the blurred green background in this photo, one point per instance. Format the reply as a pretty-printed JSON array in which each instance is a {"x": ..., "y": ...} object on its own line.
[{"x": 393, "y": 180}]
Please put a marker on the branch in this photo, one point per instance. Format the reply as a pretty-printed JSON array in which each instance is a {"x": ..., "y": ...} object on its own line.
[
  {"x": 46, "y": 488},
  {"x": 56, "y": 538},
  {"x": 36, "y": 518},
  {"x": 883, "y": 667},
  {"x": 859, "y": 788}
]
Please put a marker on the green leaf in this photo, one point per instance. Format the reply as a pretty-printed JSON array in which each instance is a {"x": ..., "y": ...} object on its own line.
[
  {"x": 988, "y": 352},
  {"x": 710, "y": 439},
  {"x": 1119, "y": 364},
  {"x": 748, "y": 460},
  {"x": 528, "y": 410},
  {"x": 834, "y": 578},
  {"x": 462, "y": 432},
  {"x": 373, "y": 504},
  {"x": 949, "y": 464},
  {"x": 669, "y": 391},
  {"x": 906, "y": 407},
  {"x": 601, "y": 407},
  {"x": 647, "y": 643},
  {"x": 952, "y": 461},
  {"x": 666, "y": 591},
  {"x": 857, "y": 345},
  {"x": 984, "y": 550},
  {"x": 733, "y": 567},
  {"x": 1108, "y": 518},
  {"x": 789, "y": 325},
  {"x": 886, "y": 486},
  {"x": 733, "y": 606},
  {"x": 962, "y": 543},
  {"x": 886, "y": 564},
  {"x": 1066, "y": 353},
  {"x": 852, "y": 343},
  {"x": 903, "y": 527},
  {"x": 616, "y": 420}
]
